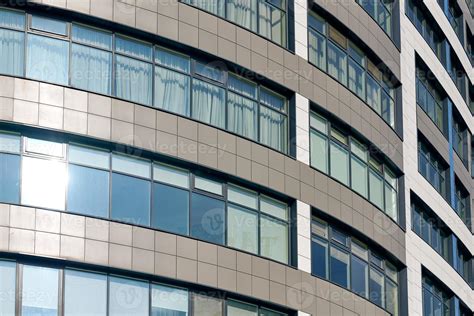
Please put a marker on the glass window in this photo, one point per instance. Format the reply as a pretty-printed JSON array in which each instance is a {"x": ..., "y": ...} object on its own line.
[
  {"x": 88, "y": 191},
  {"x": 391, "y": 202},
  {"x": 339, "y": 163},
  {"x": 319, "y": 260},
  {"x": 132, "y": 166},
  {"x": 319, "y": 151},
  {"x": 207, "y": 218},
  {"x": 40, "y": 291},
  {"x": 374, "y": 95},
  {"x": 90, "y": 36},
  {"x": 416, "y": 221},
  {"x": 12, "y": 19},
  {"x": 359, "y": 249},
  {"x": 243, "y": 13},
  {"x": 242, "y": 115},
  {"x": 44, "y": 147},
  {"x": 376, "y": 188},
  {"x": 359, "y": 276},
  {"x": 273, "y": 239},
  {"x": 133, "y": 80},
  {"x": 172, "y": 60},
  {"x": 340, "y": 237},
  {"x": 133, "y": 48},
  {"x": 319, "y": 228},
  {"x": 317, "y": 49},
  {"x": 376, "y": 293},
  {"x": 10, "y": 143},
  {"x": 85, "y": 293},
  {"x": 47, "y": 59},
  {"x": 273, "y": 129},
  {"x": 43, "y": 183},
  {"x": 274, "y": 207},
  {"x": 337, "y": 63},
  {"x": 9, "y": 178},
  {"x": 235, "y": 308},
  {"x": 91, "y": 69},
  {"x": 319, "y": 123},
  {"x": 7, "y": 285},
  {"x": 170, "y": 209},
  {"x": 207, "y": 306},
  {"x": 242, "y": 196},
  {"x": 272, "y": 24},
  {"x": 128, "y": 297},
  {"x": 172, "y": 91},
  {"x": 171, "y": 175},
  {"x": 272, "y": 100},
  {"x": 168, "y": 301},
  {"x": 48, "y": 25},
  {"x": 242, "y": 229},
  {"x": 267, "y": 312},
  {"x": 242, "y": 86},
  {"x": 89, "y": 157},
  {"x": 359, "y": 176},
  {"x": 130, "y": 199},
  {"x": 208, "y": 103},
  {"x": 12, "y": 49},
  {"x": 209, "y": 72},
  {"x": 339, "y": 267},
  {"x": 208, "y": 185},
  {"x": 356, "y": 78}
]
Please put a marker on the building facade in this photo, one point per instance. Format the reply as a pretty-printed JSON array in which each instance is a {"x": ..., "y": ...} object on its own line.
[{"x": 236, "y": 157}]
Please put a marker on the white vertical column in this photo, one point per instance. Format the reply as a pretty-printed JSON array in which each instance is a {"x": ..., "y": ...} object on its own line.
[
  {"x": 303, "y": 218},
  {"x": 301, "y": 28},
  {"x": 302, "y": 129}
]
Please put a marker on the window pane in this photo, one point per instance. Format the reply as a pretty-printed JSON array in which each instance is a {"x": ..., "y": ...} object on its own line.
[
  {"x": 319, "y": 228},
  {"x": 272, "y": 100},
  {"x": 43, "y": 183},
  {"x": 317, "y": 49},
  {"x": 359, "y": 274},
  {"x": 206, "y": 306},
  {"x": 319, "y": 261},
  {"x": 208, "y": 103},
  {"x": 243, "y": 13},
  {"x": 242, "y": 116},
  {"x": 240, "y": 309},
  {"x": 273, "y": 129},
  {"x": 374, "y": 94},
  {"x": 359, "y": 249},
  {"x": 10, "y": 143},
  {"x": 267, "y": 312},
  {"x": 376, "y": 189},
  {"x": 40, "y": 291},
  {"x": 376, "y": 294},
  {"x": 9, "y": 178},
  {"x": 172, "y": 60},
  {"x": 319, "y": 151},
  {"x": 91, "y": 69},
  {"x": 356, "y": 79},
  {"x": 12, "y": 19},
  {"x": 44, "y": 147},
  {"x": 391, "y": 202},
  {"x": 170, "y": 209},
  {"x": 128, "y": 297},
  {"x": 339, "y": 267},
  {"x": 319, "y": 123},
  {"x": 130, "y": 165},
  {"x": 168, "y": 301},
  {"x": 85, "y": 293},
  {"x": 133, "y": 80},
  {"x": 215, "y": 7},
  {"x": 168, "y": 174},
  {"x": 272, "y": 23},
  {"x": 88, "y": 191},
  {"x": 242, "y": 86},
  {"x": 242, "y": 229},
  {"x": 12, "y": 50},
  {"x": 208, "y": 185},
  {"x": 48, "y": 25},
  {"x": 89, "y": 157},
  {"x": 48, "y": 59},
  {"x": 209, "y": 71},
  {"x": 242, "y": 196},
  {"x": 130, "y": 199},
  {"x": 273, "y": 239},
  {"x": 7, "y": 285},
  {"x": 339, "y": 163},
  {"x": 172, "y": 91},
  {"x": 90, "y": 36},
  {"x": 416, "y": 221},
  {"x": 337, "y": 63},
  {"x": 359, "y": 176},
  {"x": 339, "y": 237},
  {"x": 207, "y": 218},
  {"x": 274, "y": 207},
  {"x": 133, "y": 48}
]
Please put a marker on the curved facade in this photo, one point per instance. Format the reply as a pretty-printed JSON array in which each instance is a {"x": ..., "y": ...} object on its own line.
[{"x": 236, "y": 157}]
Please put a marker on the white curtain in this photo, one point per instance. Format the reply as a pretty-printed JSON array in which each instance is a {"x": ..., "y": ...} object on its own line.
[
  {"x": 48, "y": 59},
  {"x": 12, "y": 50},
  {"x": 272, "y": 129},
  {"x": 172, "y": 91},
  {"x": 91, "y": 69},
  {"x": 243, "y": 12},
  {"x": 242, "y": 115},
  {"x": 133, "y": 80},
  {"x": 91, "y": 37},
  {"x": 208, "y": 103}
]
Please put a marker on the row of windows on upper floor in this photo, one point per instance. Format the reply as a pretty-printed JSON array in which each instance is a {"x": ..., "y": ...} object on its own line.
[
  {"x": 32, "y": 290},
  {"x": 438, "y": 301},
  {"x": 103, "y": 62},
  {"x": 455, "y": 17},
  {"x": 96, "y": 182},
  {"x": 351, "y": 264},
  {"x": 435, "y": 38},
  {"x": 335, "y": 54},
  {"x": 352, "y": 163},
  {"x": 432, "y": 98},
  {"x": 427, "y": 225},
  {"x": 436, "y": 171}
]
